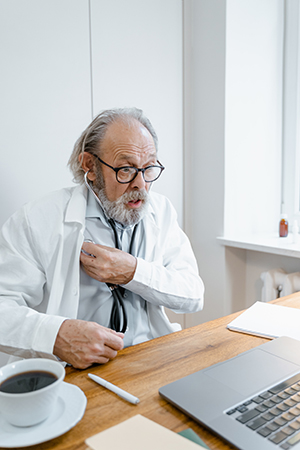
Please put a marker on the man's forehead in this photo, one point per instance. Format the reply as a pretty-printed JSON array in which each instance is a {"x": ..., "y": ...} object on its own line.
[
  {"x": 127, "y": 129},
  {"x": 123, "y": 138}
]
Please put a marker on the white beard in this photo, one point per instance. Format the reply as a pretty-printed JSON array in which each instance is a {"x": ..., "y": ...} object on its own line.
[{"x": 117, "y": 210}]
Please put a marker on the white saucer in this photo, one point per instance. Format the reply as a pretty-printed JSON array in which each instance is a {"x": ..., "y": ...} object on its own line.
[{"x": 69, "y": 409}]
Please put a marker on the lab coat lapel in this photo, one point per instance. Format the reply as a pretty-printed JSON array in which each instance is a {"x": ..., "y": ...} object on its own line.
[
  {"x": 148, "y": 240},
  {"x": 64, "y": 297}
]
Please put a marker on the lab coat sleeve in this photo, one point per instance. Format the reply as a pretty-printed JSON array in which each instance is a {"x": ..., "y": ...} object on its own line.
[
  {"x": 24, "y": 331},
  {"x": 172, "y": 278}
]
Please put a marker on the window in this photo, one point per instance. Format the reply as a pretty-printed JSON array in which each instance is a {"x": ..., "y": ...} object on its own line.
[{"x": 291, "y": 113}]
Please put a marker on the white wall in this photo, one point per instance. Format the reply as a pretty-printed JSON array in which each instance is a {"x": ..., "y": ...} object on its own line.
[
  {"x": 254, "y": 91},
  {"x": 50, "y": 87},
  {"x": 45, "y": 95},
  {"x": 253, "y": 112},
  {"x": 291, "y": 112},
  {"x": 204, "y": 147},
  {"x": 253, "y": 139},
  {"x": 233, "y": 91},
  {"x": 137, "y": 61}
]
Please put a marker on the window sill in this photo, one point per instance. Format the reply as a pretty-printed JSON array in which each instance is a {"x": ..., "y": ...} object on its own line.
[{"x": 267, "y": 243}]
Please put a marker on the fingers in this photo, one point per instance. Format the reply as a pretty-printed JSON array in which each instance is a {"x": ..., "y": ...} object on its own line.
[
  {"x": 107, "y": 265},
  {"x": 112, "y": 342},
  {"x": 96, "y": 250},
  {"x": 84, "y": 360},
  {"x": 88, "y": 248},
  {"x": 83, "y": 343},
  {"x": 95, "y": 261}
]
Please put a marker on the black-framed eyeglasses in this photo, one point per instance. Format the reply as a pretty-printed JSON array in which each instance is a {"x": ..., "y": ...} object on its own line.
[{"x": 127, "y": 174}]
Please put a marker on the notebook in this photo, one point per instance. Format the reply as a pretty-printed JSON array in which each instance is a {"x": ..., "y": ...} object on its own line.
[
  {"x": 137, "y": 433},
  {"x": 252, "y": 400},
  {"x": 268, "y": 320}
]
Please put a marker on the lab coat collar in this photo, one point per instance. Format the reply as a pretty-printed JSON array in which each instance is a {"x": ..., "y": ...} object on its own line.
[
  {"x": 151, "y": 215},
  {"x": 77, "y": 205}
]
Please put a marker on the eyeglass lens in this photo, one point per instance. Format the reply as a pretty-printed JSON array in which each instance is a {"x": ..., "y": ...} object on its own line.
[{"x": 128, "y": 173}]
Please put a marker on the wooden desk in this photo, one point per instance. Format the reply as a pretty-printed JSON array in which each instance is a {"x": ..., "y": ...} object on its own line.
[{"x": 142, "y": 369}]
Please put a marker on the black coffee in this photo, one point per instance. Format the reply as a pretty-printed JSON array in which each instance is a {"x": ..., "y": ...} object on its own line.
[{"x": 27, "y": 382}]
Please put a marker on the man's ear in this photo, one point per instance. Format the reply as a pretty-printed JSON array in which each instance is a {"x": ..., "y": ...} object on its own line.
[{"x": 87, "y": 162}]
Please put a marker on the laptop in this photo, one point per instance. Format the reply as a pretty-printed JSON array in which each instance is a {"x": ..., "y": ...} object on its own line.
[{"x": 252, "y": 400}]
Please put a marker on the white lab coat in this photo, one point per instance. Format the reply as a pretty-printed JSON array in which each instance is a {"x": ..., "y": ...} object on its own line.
[{"x": 39, "y": 270}]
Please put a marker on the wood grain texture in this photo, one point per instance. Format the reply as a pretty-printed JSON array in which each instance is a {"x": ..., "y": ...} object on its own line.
[{"x": 144, "y": 368}]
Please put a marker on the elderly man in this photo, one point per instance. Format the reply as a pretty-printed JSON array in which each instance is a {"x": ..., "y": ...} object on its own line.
[{"x": 89, "y": 269}]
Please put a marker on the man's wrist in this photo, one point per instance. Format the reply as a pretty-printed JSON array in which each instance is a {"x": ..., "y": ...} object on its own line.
[{"x": 134, "y": 265}]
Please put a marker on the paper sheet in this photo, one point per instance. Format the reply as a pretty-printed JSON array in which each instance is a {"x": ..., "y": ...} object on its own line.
[
  {"x": 268, "y": 320},
  {"x": 138, "y": 433}
]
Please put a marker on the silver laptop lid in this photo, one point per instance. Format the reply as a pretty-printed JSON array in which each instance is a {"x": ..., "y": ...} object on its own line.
[{"x": 209, "y": 393}]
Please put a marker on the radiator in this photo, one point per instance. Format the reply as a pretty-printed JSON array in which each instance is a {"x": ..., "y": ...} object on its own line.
[{"x": 278, "y": 283}]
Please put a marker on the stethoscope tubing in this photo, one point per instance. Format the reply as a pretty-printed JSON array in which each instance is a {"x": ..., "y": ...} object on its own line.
[{"x": 116, "y": 290}]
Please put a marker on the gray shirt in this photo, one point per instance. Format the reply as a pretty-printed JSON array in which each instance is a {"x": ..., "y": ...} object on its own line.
[{"x": 96, "y": 300}]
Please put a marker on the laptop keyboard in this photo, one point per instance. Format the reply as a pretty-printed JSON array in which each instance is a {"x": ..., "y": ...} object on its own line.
[{"x": 274, "y": 414}]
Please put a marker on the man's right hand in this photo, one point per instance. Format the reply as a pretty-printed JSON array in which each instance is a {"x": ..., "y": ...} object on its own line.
[{"x": 82, "y": 343}]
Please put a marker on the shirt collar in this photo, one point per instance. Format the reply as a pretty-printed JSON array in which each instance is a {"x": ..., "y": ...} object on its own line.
[{"x": 94, "y": 209}]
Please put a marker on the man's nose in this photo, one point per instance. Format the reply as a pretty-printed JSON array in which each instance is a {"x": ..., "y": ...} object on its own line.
[{"x": 139, "y": 181}]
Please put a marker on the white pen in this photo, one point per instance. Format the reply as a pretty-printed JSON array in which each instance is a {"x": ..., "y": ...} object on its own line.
[{"x": 125, "y": 395}]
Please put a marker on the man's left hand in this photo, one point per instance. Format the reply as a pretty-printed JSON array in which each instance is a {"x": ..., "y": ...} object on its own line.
[{"x": 107, "y": 264}]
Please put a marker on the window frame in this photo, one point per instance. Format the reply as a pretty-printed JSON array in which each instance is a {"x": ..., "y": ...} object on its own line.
[{"x": 290, "y": 199}]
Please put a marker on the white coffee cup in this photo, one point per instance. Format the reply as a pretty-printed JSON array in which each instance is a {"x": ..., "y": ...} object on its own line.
[{"x": 30, "y": 408}]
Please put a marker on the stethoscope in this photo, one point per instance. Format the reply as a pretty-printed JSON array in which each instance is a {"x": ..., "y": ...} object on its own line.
[{"x": 118, "y": 309}]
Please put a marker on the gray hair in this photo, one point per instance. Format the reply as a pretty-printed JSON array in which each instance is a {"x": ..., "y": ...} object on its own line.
[{"x": 91, "y": 138}]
